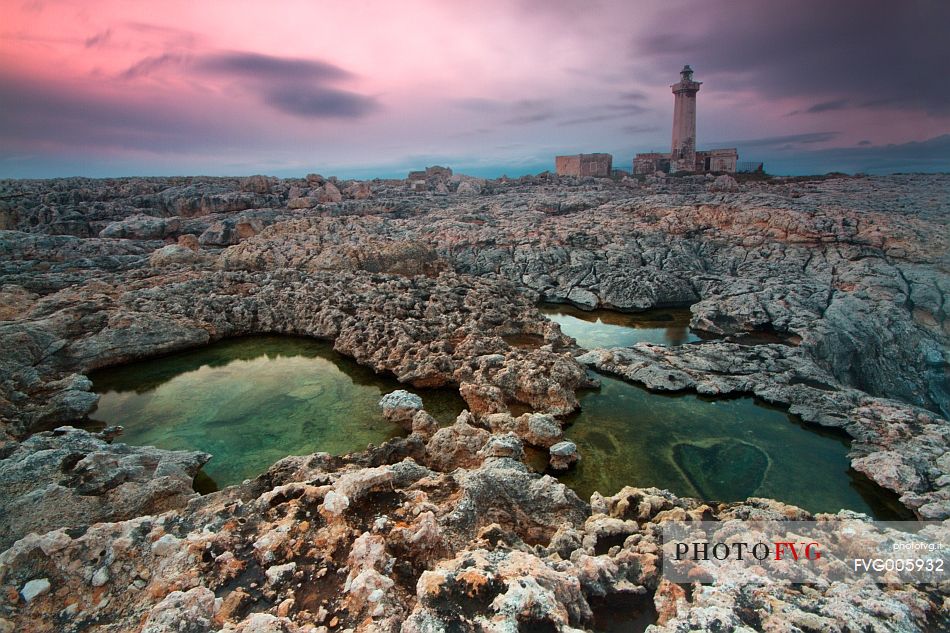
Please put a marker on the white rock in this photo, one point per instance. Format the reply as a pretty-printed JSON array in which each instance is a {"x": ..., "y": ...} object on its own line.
[
  {"x": 34, "y": 588},
  {"x": 335, "y": 503},
  {"x": 166, "y": 545},
  {"x": 400, "y": 405},
  {"x": 172, "y": 254},
  {"x": 277, "y": 572},
  {"x": 101, "y": 577}
]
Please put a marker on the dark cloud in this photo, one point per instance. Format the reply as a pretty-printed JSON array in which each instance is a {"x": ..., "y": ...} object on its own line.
[
  {"x": 595, "y": 118},
  {"x": 932, "y": 155},
  {"x": 626, "y": 108},
  {"x": 98, "y": 39},
  {"x": 148, "y": 65},
  {"x": 479, "y": 104},
  {"x": 60, "y": 115},
  {"x": 521, "y": 112},
  {"x": 269, "y": 68},
  {"x": 244, "y": 65},
  {"x": 872, "y": 51},
  {"x": 639, "y": 129},
  {"x": 526, "y": 119},
  {"x": 787, "y": 141},
  {"x": 865, "y": 143},
  {"x": 318, "y": 102},
  {"x": 290, "y": 85},
  {"x": 632, "y": 95},
  {"x": 607, "y": 112},
  {"x": 825, "y": 106}
]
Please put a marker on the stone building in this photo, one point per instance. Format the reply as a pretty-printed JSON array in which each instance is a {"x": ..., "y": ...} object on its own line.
[
  {"x": 423, "y": 180},
  {"x": 683, "y": 156},
  {"x": 596, "y": 165}
]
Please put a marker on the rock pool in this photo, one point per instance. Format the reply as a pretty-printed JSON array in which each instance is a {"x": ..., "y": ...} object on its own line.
[
  {"x": 252, "y": 401},
  {"x": 606, "y": 328},
  {"x": 714, "y": 449}
]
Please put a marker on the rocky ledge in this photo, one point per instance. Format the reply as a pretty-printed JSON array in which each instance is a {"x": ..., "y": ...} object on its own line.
[
  {"x": 447, "y": 529},
  {"x": 396, "y": 539}
]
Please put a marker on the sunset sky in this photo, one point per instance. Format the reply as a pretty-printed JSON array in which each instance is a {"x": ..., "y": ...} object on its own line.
[{"x": 365, "y": 88}]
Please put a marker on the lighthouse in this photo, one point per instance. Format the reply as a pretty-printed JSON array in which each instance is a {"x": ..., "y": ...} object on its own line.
[
  {"x": 683, "y": 153},
  {"x": 683, "y": 156}
]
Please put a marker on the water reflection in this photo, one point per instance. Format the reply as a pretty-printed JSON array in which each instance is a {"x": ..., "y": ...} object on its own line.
[
  {"x": 723, "y": 450},
  {"x": 252, "y": 401},
  {"x": 607, "y": 328}
]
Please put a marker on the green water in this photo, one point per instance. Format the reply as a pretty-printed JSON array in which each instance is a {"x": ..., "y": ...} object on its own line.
[
  {"x": 252, "y": 401},
  {"x": 718, "y": 450},
  {"x": 606, "y": 328}
]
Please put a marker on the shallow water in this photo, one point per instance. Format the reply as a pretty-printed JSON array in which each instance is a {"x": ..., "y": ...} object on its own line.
[
  {"x": 607, "y": 328},
  {"x": 252, "y": 401},
  {"x": 718, "y": 450}
]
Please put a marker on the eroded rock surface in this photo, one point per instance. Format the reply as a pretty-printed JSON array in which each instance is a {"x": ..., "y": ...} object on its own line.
[
  {"x": 72, "y": 478},
  {"x": 448, "y": 529},
  {"x": 414, "y": 550}
]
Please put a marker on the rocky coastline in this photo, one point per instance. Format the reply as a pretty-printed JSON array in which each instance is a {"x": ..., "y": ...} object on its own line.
[{"x": 448, "y": 529}]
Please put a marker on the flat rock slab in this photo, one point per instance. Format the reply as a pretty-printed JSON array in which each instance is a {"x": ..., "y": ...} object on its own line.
[{"x": 72, "y": 478}]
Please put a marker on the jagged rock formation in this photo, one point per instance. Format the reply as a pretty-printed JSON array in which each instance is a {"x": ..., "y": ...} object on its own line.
[
  {"x": 447, "y": 528},
  {"x": 70, "y": 478},
  {"x": 902, "y": 449},
  {"x": 343, "y": 543}
]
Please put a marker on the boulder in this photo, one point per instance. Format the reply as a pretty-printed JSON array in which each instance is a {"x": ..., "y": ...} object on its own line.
[
  {"x": 330, "y": 193},
  {"x": 724, "y": 183},
  {"x": 468, "y": 188},
  {"x": 563, "y": 455},
  {"x": 359, "y": 191},
  {"x": 257, "y": 184},
  {"x": 173, "y": 254},
  {"x": 400, "y": 407},
  {"x": 302, "y": 203},
  {"x": 72, "y": 478},
  {"x": 142, "y": 227}
]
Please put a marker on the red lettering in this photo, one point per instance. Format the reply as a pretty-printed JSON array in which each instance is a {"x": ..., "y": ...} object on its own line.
[{"x": 780, "y": 546}]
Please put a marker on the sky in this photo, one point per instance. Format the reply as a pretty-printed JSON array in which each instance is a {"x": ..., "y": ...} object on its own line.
[{"x": 363, "y": 89}]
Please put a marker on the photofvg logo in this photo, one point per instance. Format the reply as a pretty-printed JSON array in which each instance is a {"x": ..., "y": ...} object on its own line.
[
  {"x": 805, "y": 552},
  {"x": 777, "y": 550}
]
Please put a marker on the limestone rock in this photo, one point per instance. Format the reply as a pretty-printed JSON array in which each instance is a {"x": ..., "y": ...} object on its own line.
[
  {"x": 563, "y": 455},
  {"x": 456, "y": 445},
  {"x": 508, "y": 445},
  {"x": 725, "y": 182},
  {"x": 424, "y": 424},
  {"x": 330, "y": 193},
  {"x": 257, "y": 184},
  {"x": 468, "y": 188},
  {"x": 823, "y": 295},
  {"x": 73, "y": 478},
  {"x": 189, "y": 241},
  {"x": 359, "y": 191},
  {"x": 35, "y": 588},
  {"x": 302, "y": 203},
  {"x": 182, "y": 611},
  {"x": 142, "y": 227},
  {"x": 400, "y": 407},
  {"x": 173, "y": 254}
]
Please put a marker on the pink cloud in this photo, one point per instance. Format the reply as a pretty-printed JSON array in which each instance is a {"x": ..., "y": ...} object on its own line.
[{"x": 384, "y": 83}]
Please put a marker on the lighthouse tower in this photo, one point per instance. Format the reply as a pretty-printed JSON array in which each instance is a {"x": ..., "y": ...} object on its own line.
[{"x": 683, "y": 154}]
